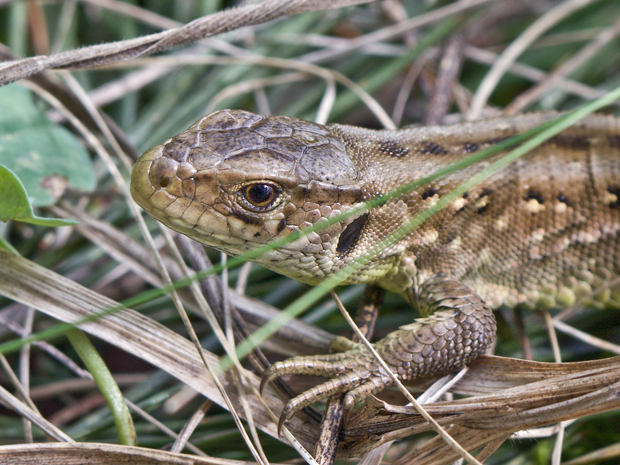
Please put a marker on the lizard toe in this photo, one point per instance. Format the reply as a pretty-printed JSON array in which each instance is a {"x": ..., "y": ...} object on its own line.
[
  {"x": 325, "y": 365},
  {"x": 344, "y": 383},
  {"x": 371, "y": 387}
]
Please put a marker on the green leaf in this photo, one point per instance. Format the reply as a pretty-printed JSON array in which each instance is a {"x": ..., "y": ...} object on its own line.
[
  {"x": 43, "y": 155},
  {"x": 14, "y": 204}
]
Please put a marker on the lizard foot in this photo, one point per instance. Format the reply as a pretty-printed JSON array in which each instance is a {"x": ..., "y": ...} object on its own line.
[
  {"x": 443, "y": 342},
  {"x": 457, "y": 327},
  {"x": 354, "y": 371}
]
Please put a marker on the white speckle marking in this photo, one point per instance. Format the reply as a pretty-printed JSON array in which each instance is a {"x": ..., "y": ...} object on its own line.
[
  {"x": 533, "y": 206},
  {"x": 482, "y": 202},
  {"x": 586, "y": 237},
  {"x": 608, "y": 197},
  {"x": 429, "y": 237},
  {"x": 538, "y": 235},
  {"x": 458, "y": 203},
  {"x": 456, "y": 243}
]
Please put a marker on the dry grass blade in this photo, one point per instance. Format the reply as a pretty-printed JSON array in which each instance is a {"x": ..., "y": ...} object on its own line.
[
  {"x": 104, "y": 454},
  {"x": 216, "y": 23},
  {"x": 595, "y": 341},
  {"x": 516, "y": 48},
  {"x": 25, "y": 411},
  {"x": 133, "y": 11},
  {"x": 33, "y": 285},
  {"x": 586, "y": 54},
  {"x": 508, "y": 395},
  {"x": 534, "y": 75},
  {"x": 435, "y": 452}
]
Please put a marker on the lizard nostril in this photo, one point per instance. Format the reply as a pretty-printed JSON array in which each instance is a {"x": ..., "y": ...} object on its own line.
[{"x": 164, "y": 182}]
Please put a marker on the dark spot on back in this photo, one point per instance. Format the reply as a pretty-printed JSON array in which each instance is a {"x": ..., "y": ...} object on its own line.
[
  {"x": 432, "y": 148},
  {"x": 485, "y": 192},
  {"x": 562, "y": 198},
  {"x": 245, "y": 218},
  {"x": 351, "y": 234},
  {"x": 392, "y": 148},
  {"x": 577, "y": 143},
  {"x": 281, "y": 225},
  {"x": 532, "y": 194},
  {"x": 614, "y": 141},
  {"x": 428, "y": 193},
  {"x": 615, "y": 190},
  {"x": 465, "y": 195},
  {"x": 470, "y": 147}
]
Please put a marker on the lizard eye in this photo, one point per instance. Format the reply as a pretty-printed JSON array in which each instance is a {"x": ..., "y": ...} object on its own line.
[{"x": 260, "y": 196}]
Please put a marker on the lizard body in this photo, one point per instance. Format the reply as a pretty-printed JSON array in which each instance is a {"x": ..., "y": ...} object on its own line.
[{"x": 542, "y": 232}]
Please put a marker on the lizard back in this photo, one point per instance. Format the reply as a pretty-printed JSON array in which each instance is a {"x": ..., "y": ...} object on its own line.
[{"x": 542, "y": 231}]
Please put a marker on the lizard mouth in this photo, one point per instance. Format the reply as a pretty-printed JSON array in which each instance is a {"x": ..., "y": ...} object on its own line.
[{"x": 141, "y": 187}]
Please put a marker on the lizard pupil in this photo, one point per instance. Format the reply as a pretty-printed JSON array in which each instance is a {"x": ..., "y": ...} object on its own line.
[{"x": 260, "y": 195}]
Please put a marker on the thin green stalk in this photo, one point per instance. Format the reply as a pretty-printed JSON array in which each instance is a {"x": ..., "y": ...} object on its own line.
[
  {"x": 6, "y": 245},
  {"x": 106, "y": 384}
]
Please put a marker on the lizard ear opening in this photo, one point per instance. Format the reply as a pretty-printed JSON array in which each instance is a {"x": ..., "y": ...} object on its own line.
[{"x": 351, "y": 234}]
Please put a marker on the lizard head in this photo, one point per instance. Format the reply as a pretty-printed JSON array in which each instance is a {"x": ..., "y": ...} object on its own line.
[{"x": 236, "y": 180}]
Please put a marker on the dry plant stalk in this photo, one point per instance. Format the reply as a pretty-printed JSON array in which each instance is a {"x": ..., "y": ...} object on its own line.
[{"x": 105, "y": 54}]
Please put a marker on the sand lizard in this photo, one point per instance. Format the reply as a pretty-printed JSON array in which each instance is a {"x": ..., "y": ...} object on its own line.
[{"x": 540, "y": 233}]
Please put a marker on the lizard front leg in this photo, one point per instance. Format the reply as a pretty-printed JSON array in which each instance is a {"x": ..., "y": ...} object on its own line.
[{"x": 456, "y": 327}]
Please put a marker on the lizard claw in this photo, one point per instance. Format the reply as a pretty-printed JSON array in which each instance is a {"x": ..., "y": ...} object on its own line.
[{"x": 353, "y": 372}]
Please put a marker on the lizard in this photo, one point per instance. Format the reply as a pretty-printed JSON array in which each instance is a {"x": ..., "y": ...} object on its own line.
[{"x": 542, "y": 232}]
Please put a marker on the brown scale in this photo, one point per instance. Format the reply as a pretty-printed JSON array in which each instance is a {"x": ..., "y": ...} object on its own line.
[{"x": 542, "y": 232}]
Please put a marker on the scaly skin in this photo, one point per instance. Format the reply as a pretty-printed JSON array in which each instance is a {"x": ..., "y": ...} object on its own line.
[{"x": 541, "y": 233}]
